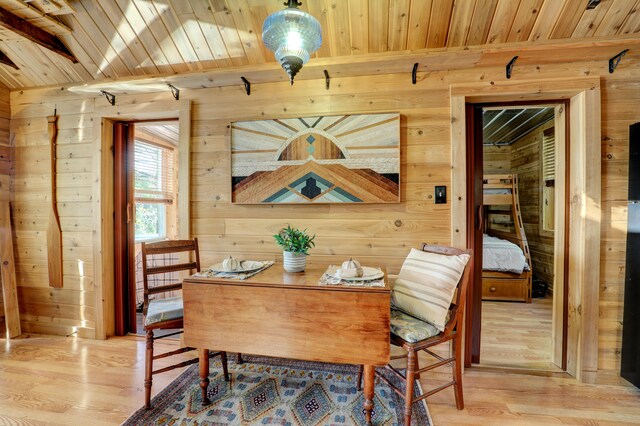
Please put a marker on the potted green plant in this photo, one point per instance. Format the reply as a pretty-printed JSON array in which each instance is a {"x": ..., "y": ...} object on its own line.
[{"x": 295, "y": 246}]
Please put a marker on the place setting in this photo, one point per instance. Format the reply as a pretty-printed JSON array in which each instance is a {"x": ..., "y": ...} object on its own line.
[
  {"x": 351, "y": 273},
  {"x": 234, "y": 268}
]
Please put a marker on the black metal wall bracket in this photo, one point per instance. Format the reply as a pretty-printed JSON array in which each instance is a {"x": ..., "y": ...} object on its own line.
[
  {"x": 414, "y": 73},
  {"x": 247, "y": 85},
  {"x": 613, "y": 62},
  {"x": 110, "y": 97},
  {"x": 510, "y": 66},
  {"x": 174, "y": 91},
  {"x": 327, "y": 79}
]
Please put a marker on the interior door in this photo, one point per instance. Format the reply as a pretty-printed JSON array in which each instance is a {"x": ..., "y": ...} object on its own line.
[
  {"x": 125, "y": 317},
  {"x": 474, "y": 233}
]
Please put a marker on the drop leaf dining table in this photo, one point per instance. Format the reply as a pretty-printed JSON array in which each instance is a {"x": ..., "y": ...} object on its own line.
[{"x": 289, "y": 315}]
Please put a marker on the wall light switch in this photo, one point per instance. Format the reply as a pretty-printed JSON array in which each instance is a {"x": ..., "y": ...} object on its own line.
[{"x": 441, "y": 194}]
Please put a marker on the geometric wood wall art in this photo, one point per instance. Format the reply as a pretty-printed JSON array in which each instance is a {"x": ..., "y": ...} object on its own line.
[{"x": 328, "y": 159}]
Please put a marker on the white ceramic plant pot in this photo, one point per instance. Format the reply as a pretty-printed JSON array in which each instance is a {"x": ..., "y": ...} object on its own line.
[{"x": 294, "y": 262}]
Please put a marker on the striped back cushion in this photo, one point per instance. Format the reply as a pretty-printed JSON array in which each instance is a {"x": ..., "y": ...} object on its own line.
[{"x": 426, "y": 285}]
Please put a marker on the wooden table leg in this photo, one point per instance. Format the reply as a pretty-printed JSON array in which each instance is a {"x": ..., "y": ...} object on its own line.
[
  {"x": 203, "y": 354},
  {"x": 369, "y": 378}
]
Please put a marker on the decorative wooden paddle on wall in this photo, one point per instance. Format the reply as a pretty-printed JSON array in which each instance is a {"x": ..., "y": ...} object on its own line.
[
  {"x": 8, "y": 273},
  {"x": 54, "y": 233}
]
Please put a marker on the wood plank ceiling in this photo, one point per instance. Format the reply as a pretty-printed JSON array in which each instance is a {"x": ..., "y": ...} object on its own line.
[
  {"x": 506, "y": 126},
  {"x": 124, "y": 38}
]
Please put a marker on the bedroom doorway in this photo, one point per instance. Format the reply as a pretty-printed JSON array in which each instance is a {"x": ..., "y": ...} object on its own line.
[
  {"x": 520, "y": 205},
  {"x": 145, "y": 198}
]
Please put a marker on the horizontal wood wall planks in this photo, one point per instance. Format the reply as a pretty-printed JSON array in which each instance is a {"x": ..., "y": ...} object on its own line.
[
  {"x": 118, "y": 39},
  {"x": 377, "y": 233}
]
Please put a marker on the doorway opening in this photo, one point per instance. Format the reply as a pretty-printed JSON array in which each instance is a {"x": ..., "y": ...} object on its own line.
[
  {"x": 145, "y": 197},
  {"x": 518, "y": 186}
]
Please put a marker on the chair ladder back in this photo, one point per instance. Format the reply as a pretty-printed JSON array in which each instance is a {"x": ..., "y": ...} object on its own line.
[{"x": 167, "y": 247}]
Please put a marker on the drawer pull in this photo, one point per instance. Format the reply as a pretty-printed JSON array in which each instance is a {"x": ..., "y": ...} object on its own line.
[{"x": 492, "y": 289}]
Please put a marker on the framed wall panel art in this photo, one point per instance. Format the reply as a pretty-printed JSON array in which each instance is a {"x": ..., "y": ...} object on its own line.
[{"x": 313, "y": 160}]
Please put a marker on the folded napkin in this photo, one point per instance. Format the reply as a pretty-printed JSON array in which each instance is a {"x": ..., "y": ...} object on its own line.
[
  {"x": 208, "y": 273},
  {"x": 329, "y": 278}
]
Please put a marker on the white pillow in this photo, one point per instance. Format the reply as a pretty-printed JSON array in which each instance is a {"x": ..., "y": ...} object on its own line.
[{"x": 426, "y": 285}]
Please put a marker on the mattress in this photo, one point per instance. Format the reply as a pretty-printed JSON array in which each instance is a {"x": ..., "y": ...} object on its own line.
[{"x": 502, "y": 256}]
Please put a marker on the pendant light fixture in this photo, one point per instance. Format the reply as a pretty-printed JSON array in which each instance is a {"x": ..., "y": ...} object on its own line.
[{"x": 293, "y": 35}]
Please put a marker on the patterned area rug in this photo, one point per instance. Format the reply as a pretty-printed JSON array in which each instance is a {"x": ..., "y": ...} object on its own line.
[{"x": 272, "y": 391}]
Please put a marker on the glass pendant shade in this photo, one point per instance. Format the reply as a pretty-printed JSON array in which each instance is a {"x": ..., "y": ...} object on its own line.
[{"x": 293, "y": 35}]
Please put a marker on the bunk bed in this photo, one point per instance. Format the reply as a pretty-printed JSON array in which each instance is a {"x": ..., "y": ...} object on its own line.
[{"x": 507, "y": 271}]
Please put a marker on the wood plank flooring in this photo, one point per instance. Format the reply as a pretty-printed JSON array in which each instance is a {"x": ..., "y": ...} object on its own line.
[
  {"x": 48, "y": 380},
  {"x": 517, "y": 335}
]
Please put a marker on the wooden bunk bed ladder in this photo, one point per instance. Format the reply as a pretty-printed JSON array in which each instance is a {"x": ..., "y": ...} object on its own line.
[{"x": 506, "y": 286}]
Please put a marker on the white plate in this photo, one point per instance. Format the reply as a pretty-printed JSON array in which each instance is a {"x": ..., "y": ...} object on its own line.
[
  {"x": 368, "y": 273},
  {"x": 245, "y": 266}
]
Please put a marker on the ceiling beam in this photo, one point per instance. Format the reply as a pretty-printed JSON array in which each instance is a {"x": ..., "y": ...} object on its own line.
[
  {"x": 35, "y": 34},
  {"x": 4, "y": 59},
  {"x": 52, "y": 7}
]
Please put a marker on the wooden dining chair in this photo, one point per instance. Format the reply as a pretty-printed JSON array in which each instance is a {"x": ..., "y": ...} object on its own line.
[
  {"x": 414, "y": 335},
  {"x": 167, "y": 313}
]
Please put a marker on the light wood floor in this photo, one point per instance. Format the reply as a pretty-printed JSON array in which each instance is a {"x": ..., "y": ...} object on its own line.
[
  {"x": 48, "y": 380},
  {"x": 517, "y": 335}
]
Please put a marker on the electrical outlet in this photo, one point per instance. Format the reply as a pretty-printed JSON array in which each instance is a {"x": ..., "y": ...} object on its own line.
[{"x": 441, "y": 194}]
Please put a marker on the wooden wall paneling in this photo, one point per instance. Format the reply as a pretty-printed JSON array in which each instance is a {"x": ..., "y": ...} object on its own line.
[
  {"x": 525, "y": 161},
  {"x": 496, "y": 159},
  {"x": 147, "y": 37},
  {"x": 426, "y": 132}
]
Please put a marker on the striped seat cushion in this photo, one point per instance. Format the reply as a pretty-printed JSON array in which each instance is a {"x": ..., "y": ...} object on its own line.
[{"x": 426, "y": 285}]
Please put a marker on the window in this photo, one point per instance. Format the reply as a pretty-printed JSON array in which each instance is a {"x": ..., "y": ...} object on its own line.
[
  {"x": 548, "y": 180},
  {"x": 153, "y": 186}
]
